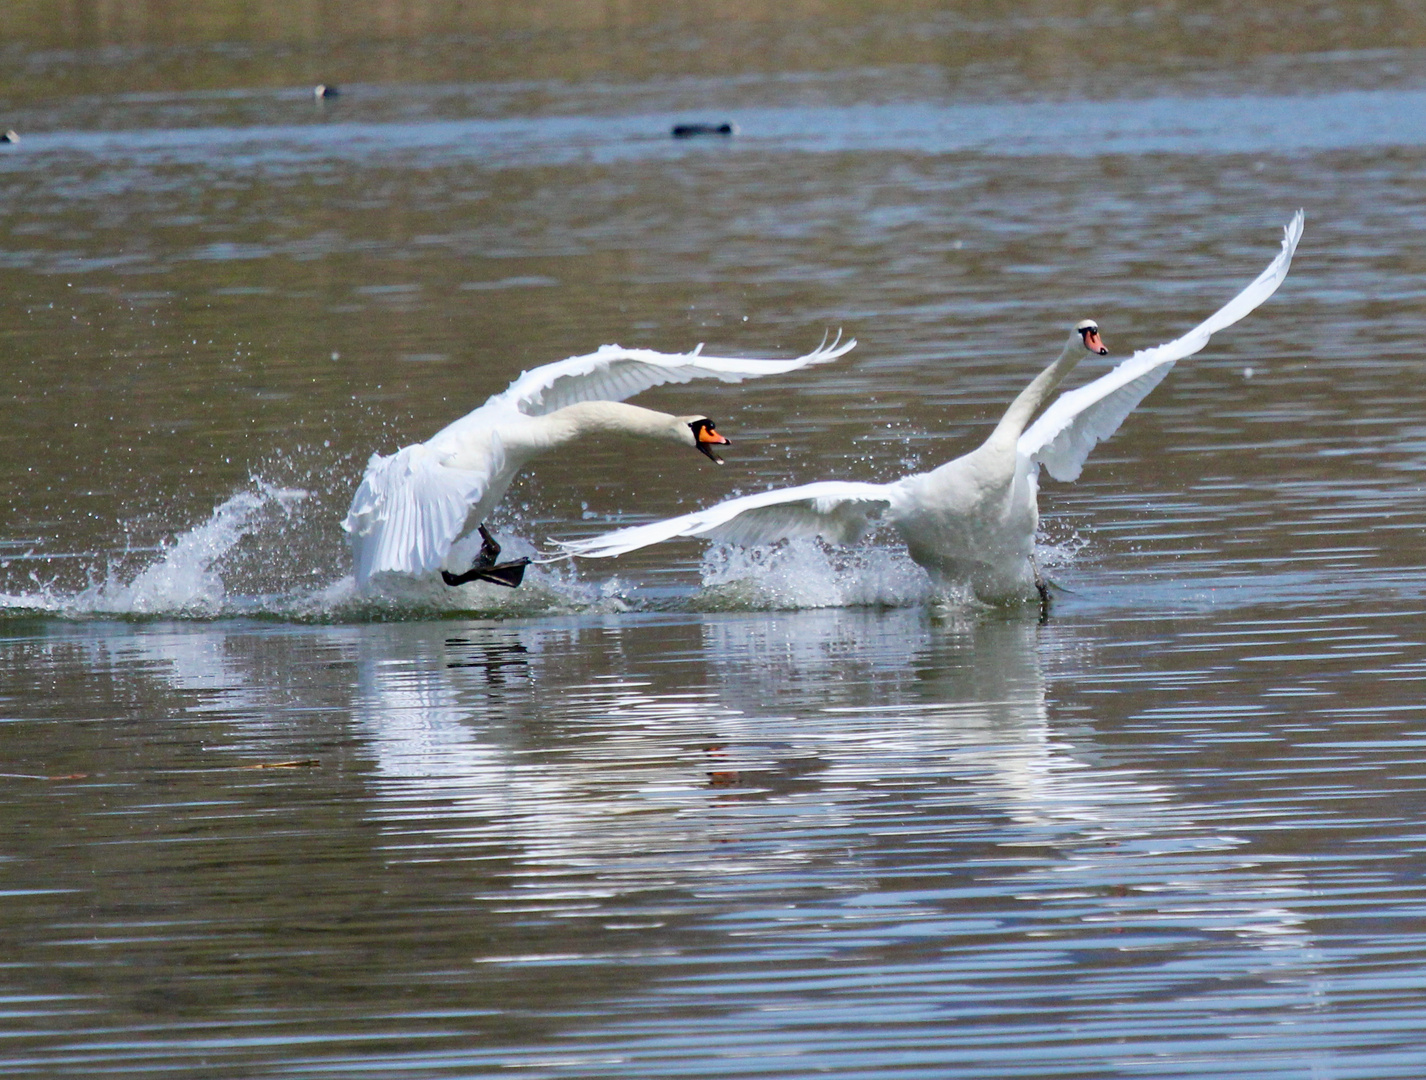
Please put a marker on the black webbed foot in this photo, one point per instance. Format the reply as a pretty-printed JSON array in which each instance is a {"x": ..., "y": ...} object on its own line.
[
  {"x": 485, "y": 568},
  {"x": 509, "y": 574}
]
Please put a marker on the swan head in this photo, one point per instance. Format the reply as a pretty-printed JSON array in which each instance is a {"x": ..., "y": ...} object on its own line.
[
  {"x": 704, "y": 436},
  {"x": 1088, "y": 331}
]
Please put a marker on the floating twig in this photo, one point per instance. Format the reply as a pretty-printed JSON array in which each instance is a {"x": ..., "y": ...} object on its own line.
[{"x": 36, "y": 776}]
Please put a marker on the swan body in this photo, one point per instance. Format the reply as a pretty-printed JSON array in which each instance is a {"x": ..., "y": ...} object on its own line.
[
  {"x": 413, "y": 505},
  {"x": 972, "y": 521}
]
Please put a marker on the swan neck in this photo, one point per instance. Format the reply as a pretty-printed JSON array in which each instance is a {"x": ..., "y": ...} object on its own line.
[
  {"x": 592, "y": 417},
  {"x": 1028, "y": 402}
]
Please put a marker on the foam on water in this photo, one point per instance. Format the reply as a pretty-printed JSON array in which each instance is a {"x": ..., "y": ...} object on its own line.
[
  {"x": 804, "y": 574},
  {"x": 546, "y": 590},
  {"x": 810, "y": 574}
]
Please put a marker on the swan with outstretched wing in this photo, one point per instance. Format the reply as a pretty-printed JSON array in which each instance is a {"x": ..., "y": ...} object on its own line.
[
  {"x": 413, "y": 505},
  {"x": 973, "y": 520}
]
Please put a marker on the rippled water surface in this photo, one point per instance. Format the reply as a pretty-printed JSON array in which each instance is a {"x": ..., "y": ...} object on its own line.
[{"x": 694, "y": 812}]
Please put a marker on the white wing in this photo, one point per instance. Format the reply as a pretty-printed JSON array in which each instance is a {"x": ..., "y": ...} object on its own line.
[
  {"x": 409, "y": 509},
  {"x": 1069, "y": 429},
  {"x": 840, "y": 510},
  {"x": 614, "y": 374}
]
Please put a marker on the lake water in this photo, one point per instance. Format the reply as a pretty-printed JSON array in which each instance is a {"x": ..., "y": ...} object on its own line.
[{"x": 710, "y": 813}]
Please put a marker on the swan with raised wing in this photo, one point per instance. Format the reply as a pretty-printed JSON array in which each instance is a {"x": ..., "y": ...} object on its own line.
[
  {"x": 972, "y": 521},
  {"x": 412, "y": 506}
]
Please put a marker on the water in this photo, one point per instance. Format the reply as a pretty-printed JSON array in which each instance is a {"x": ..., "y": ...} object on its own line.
[{"x": 709, "y": 812}]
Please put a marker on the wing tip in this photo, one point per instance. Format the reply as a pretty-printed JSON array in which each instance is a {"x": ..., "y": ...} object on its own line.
[
  {"x": 831, "y": 350},
  {"x": 1292, "y": 231}
]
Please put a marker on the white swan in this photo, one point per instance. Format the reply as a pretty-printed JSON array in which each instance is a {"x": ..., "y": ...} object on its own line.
[
  {"x": 971, "y": 521},
  {"x": 414, "y": 504}
]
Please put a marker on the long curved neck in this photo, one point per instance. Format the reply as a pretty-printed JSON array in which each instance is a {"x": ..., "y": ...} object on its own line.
[
  {"x": 591, "y": 417},
  {"x": 1027, "y": 403}
]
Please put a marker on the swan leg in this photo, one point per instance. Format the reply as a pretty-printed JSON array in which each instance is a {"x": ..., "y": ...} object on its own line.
[
  {"x": 1041, "y": 588},
  {"x": 489, "y": 549},
  {"x": 485, "y": 568}
]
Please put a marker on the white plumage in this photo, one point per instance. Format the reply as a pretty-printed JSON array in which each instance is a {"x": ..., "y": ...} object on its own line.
[
  {"x": 414, "y": 504},
  {"x": 973, "y": 520}
]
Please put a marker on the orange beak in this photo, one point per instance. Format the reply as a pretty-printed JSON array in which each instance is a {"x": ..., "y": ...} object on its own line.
[
  {"x": 708, "y": 438},
  {"x": 1093, "y": 343}
]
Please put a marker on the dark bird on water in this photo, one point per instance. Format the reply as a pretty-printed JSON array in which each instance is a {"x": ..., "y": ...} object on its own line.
[{"x": 688, "y": 131}]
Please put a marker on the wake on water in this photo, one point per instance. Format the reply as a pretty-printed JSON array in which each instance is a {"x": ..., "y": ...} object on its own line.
[{"x": 187, "y": 579}]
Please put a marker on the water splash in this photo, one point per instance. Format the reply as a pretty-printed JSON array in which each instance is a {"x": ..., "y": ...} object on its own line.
[
  {"x": 183, "y": 580},
  {"x": 810, "y": 574},
  {"x": 266, "y": 552},
  {"x": 802, "y": 574},
  {"x": 269, "y": 541},
  {"x": 546, "y": 590}
]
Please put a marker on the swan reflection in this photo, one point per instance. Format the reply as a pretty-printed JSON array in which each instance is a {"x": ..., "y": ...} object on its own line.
[
  {"x": 774, "y": 742},
  {"x": 814, "y": 781}
]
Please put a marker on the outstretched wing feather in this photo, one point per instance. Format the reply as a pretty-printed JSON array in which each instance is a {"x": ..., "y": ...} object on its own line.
[
  {"x": 839, "y": 510},
  {"x": 614, "y": 373},
  {"x": 1062, "y": 438}
]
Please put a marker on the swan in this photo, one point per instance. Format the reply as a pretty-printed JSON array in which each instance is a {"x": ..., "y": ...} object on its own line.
[
  {"x": 972, "y": 521},
  {"x": 412, "y": 506}
]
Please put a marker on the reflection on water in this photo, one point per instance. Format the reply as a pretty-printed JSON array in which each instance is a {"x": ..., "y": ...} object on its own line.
[
  {"x": 687, "y": 843},
  {"x": 708, "y": 812}
]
